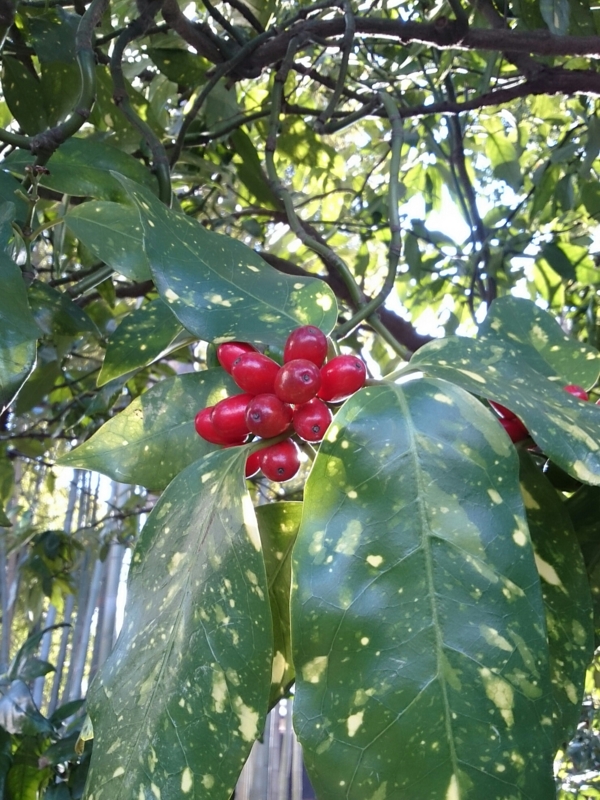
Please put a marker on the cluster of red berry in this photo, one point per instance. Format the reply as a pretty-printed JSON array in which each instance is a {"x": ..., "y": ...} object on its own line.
[
  {"x": 513, "y": 425},
  {"x": 278, "y": 399}
]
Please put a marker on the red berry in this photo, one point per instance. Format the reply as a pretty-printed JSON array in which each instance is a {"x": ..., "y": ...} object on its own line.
[
  {"x": 229, "y": 416},
  {"x": 253, "y": 463},
  {"x": 267, "y": 416},
  {"x": 297, "y": 381},
  {"x": 229, "y": 351},
  {"x": 504, "y": 412},
  {"x": 577, "y": 391},
  {"x": 515, "y": 429},
  {"x": 281, "y": 461},
  {"x": 341, "y": 377},
  {"x": 312, "y": 419},
  {"x": 255, "y": 373},
  {"x": 307, "y": 342},
  {"x": 205, "y": 428}
]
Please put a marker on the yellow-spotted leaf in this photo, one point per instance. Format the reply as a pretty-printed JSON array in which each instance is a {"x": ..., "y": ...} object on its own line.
[
  {"x": 145, "y": 335},
  {"x": 566, "y": 593},
  {"x": 113, "y": 233},
  {"x": 418, "y": 626},
  {"x": 219, "y": 288},
  {"x": 565, "y": 428},
  {"x": 184, "y": 694},
  {"x": 278, "y": 524},
  {"x": 153, "y": 439},
  {"x": 521, "y": 321}
]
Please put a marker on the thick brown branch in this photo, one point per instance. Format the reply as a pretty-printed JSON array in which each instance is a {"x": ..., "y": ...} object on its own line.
[{"x": 442, "y": 34}]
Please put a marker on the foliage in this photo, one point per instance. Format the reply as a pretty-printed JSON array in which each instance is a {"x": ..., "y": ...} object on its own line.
[{"x": 394, "y": 173}]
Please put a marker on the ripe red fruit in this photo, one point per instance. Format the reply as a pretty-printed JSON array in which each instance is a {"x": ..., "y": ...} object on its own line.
[
  {"x": 267, "y": 416},
  {"x": 255, "y": 373},
  {"x": 307, "y": 342},
  {"x": 229, "y": 416},
  {"x": 253, "y": 463},
  {"x": 205, "y": 428},
  {"x": 228, "y": 352},
  {"x": 504, "y": 412},
  {"x": 341, "y": 377},
  {"x": 312, "y": 419},
  {"x": 515, "y": 429},
  {"x": 297, "y": 381},
  {"x": 577, "y": 391},
  {"x": 280, "y": 462}
]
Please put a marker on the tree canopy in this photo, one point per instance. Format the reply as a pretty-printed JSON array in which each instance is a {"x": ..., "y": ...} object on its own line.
[{"x": 394, "y": 173}]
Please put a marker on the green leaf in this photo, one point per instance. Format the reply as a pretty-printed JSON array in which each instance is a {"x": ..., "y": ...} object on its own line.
[
  {"x": 61, "y": 88},
  {"x": 54, "y": 34},
  {"x": 520, "y": 321},
  {"x": 4, "y": 520},
  {"x": 55, "y": 312},
  {"x": 143, "y": 337},
  {"x": 25, "y": 98},
  {"x": 218, "y": 287},
  {"x": 250, "y": 171},
  {"x": 179, "y": 66},
  {"x": 84, "y": 168},
  {"x": 278, "y": 524},
  {"x": 583, "y": 508},
  {"x": 113, "y": 233},
  {"x": 26, "y": 777},
  {"x": 566, "y": 429},
  {"x": 417, "y": 616},
  {"x": 18, "y": 712},
  {"x": 566, "y": 593},
  {"x": 590, "y": 197},
  {"x": 18, "y": 332},
  {"x": 8, "y": 187},
  {"x": 153, "y": 439},
  {"x": 556, "y": 15},
  {"x": 184, "y": 693},
  {"x": 558, "y": 260}
]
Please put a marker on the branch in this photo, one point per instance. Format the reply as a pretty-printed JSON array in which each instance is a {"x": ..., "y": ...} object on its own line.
[
  {"x": 442, "y": 34},
  {"x": 402, "y": 329}
]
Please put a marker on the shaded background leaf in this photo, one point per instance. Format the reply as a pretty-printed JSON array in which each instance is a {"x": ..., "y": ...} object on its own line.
[{"x": 565, "y": 590}]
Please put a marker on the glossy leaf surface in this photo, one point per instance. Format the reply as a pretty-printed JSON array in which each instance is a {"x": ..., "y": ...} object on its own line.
[
  {"x": 18, "y": 332},
  {"x": 278, "y": 524},
  {"x": 566, "y": 429},
  {"x": 83, "y": 168},
  {"x": 184, "y": 694},
  {"x": 417, "y": 616},
  {"x": 142, "y": 337},
  {"x": 567, "y": 598},
  {"x": 154, "y": 438},
  {"x": 113, "y": 233},
  {"x": 211, "y": 282},
  {"x": 55, "y": 312},
  {"x": 520, "y": 321}
]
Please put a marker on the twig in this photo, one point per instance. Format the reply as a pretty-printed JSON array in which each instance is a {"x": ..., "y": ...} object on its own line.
[
  {"x": 220, "y": 72},
  {"x": 136, "y": 28},
  {"x": 245, "y": 12},
  {"x": 329, "y": 255},
  {"x": 395, "y": 242},
  {"x": 347, "y": 44},
  {"x": 224, "y": 23}
]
